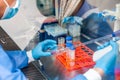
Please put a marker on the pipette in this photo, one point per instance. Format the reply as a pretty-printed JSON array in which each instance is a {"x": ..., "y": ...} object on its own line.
[
  {"x": 107, "y": 37},
  {"x": 99, "y": 53},
  {"x": 114, "y": 34}
]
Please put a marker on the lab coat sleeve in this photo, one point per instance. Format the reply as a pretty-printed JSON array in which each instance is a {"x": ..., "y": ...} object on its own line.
[
  {"x": 89, "y": 75},
  {"x": 79, "y": 77},
  {"x": 92, "y": 75},
  {"x": 18, "y": 57},
  {"x": 8, "y": 70},
  {"x": 30, "y": 57},
  {"x": 6, "y": 74}
]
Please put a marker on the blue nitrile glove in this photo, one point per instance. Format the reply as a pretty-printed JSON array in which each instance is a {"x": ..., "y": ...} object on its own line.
[
  {"x": 95, "y": 25},
  {"x": 79, "y": 77},
  {"x": 72, "y": 20},
  {"x": 107, "y": 62},
  {"x": 108, "y": 43},
  {"x": 44, "y": 48}
]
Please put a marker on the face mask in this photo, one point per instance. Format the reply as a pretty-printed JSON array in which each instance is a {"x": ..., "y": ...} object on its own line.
[{"x": 10, "y": 12}]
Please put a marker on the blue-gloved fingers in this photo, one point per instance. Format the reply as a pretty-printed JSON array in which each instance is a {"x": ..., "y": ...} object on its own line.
[
  {"x": 79, "y": 77},
  {"x": 50, "y": 41},
  {"x": 39, "y": 44},
  {"x": 107, "y": 62},
  {"x": 114, "y": 46},
  {"x": 116, "y": 39},
  {"x": 42, "y": 47},
  {"x": 53, "y": 47},
  {"x": 108, "y": 43},
  {"x": 46, "y": 54},
  {"x": 104, "y": 45},
  {"x": 50, "y": 47}
]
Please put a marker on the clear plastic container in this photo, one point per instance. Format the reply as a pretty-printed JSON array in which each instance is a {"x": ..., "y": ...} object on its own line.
[
  {"x": 74, "y": 30},
  {"x": 61, "y": 42},
  {"x": 72, "y": 55}
]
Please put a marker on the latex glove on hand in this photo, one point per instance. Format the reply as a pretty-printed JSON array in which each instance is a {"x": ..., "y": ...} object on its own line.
[
  {"x": 42, "y": 49},
  {"x": 107, "y": 62},
  {"x": 79, "y": 77}
]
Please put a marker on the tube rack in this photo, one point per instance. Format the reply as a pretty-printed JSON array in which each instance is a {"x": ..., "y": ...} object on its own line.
[{"x": 83, "y": 58}]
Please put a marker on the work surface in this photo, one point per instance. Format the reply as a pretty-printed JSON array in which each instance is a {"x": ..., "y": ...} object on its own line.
[{"x": 53, "y": 69}]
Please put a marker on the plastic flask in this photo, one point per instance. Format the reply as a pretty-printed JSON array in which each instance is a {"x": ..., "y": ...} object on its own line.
[{"x": 74, "y": 29}]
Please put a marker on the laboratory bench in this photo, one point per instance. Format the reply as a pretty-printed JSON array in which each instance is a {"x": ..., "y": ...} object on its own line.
[
  {"x": 47, "y": 68},
  {"x": 54, "y": 70},
  {"x": 50, "y": 67}
]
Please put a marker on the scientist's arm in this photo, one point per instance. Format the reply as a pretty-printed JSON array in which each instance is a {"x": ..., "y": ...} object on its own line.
[
  {"x": 18, "y": 57},
  {"x": 105, "y": 65},
  {"x": 8, "y": 70},
  {"x": 22, "y": 58},
  {"x": 93, "y": 23}
]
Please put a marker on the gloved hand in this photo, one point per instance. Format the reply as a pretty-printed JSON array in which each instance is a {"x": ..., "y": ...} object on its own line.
[
  {"x": 79, "y": 77},
  {"x": 107, "y": 62},
  {"x": 44, "y": 48},
  {"x": 94, "y": 26}
]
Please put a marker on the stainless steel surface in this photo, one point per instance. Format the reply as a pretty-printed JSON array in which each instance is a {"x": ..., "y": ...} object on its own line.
[
  {"x": 33, "y": 73},
  {"x": 51, "y": 68},
  {"x": 54, "y": 70},
  {"x": 6, "y": 41}
]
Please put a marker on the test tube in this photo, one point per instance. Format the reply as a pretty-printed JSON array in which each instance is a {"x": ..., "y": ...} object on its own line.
[
  {"x": 61, "y": 42},
  {"x": 72, "y": 55}
]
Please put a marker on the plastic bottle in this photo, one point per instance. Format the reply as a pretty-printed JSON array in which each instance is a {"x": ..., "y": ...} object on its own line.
[{"x": 69, "y": 39}]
